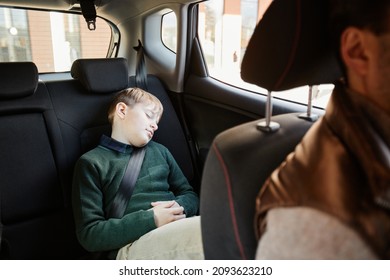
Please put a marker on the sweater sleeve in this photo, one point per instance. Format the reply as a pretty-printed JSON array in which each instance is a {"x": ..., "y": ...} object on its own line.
[
  {"x": 185, "y": 195},
  {"x": 311, "y": 234},
  {"x": 94, "y": 231}
]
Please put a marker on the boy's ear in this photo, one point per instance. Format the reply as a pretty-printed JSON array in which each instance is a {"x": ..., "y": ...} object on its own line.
[
  {"x": 354, "y": 50},
  {"x": 121, "y": 110}
]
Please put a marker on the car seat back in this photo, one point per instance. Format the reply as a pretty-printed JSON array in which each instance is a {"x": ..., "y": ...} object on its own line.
[{"x": 33, "y": 205}]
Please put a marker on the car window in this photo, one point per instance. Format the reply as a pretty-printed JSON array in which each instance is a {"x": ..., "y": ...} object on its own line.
[
  {"x": 169, "y": 31},
  {"x": 224, "y": 30},
  {"x": 52, "y": 40}
]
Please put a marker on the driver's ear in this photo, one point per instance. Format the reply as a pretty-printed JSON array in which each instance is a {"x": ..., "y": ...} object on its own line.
[{"x": 354, "y": 50}]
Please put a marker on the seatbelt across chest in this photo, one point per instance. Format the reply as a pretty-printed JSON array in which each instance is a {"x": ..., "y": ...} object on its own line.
[{"x": 127, "y": 184}]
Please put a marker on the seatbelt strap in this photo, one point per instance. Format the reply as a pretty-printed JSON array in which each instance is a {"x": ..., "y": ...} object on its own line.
[
  {"x": 140, "y": 71},
  {"x": 127, "y": 185},
  {"x": 89, "y": 12}
]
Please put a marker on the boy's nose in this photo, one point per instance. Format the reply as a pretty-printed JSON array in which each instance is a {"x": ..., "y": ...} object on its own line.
[{"x": 154, "y": 126}]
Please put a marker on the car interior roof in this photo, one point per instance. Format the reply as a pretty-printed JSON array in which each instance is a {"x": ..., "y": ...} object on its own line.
[{"x": 114, "y": 10}]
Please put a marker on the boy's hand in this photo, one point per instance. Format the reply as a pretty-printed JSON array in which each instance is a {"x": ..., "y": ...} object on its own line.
[
  {"x": 175, "y": 204},
  {"x": 166, "y": 212}
]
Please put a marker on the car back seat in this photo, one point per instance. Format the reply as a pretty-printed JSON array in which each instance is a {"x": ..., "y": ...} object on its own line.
[
  {"x": 34, "y": 216},
  {"x": 44, "y": 129},
  {"x": 81, "y": 106}
]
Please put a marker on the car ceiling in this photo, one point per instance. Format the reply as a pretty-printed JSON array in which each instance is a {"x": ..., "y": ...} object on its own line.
[{"x": 114, "y": 10}]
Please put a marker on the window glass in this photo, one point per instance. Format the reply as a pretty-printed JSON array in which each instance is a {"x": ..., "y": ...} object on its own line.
[
  {"x": 224, "y": 30},
  {"x": 14, "y": 39},
  {"x": 51, "y": 40},
  {"x": 169, "y": 31}
]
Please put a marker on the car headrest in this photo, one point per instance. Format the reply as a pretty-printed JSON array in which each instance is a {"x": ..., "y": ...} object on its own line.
[
  {"x": 18, "y": 79},
  {"x": 101, "y": 75},
  {"x": 290, "y": 47}
]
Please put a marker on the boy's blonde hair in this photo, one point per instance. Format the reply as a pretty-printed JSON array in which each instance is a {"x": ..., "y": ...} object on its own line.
[{"x": 132, "y": 96}]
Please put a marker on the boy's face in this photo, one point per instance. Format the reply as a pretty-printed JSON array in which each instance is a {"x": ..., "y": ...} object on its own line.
[{"x": 138, "y": 124}]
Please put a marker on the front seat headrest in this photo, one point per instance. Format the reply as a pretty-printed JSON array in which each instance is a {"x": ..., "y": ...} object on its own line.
[{"x": 290, "y": 47}]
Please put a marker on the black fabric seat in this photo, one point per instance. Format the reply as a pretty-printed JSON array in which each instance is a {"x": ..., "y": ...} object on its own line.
[
  {"x": 36, "y": 223},
  {"x": 238, "y": 163},
  {"x": 288, "y": 49}
]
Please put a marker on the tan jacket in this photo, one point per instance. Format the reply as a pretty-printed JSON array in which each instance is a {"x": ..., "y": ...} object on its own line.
[{"x": 341, "y": 167}]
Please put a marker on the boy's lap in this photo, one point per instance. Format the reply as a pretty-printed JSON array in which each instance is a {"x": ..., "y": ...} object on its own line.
[{"x": 177, "y": 240}]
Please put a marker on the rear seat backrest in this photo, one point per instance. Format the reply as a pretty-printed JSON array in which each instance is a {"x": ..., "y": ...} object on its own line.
[
  {"x": 33, "y": 206},
  {"x": 81, "y": 104}
]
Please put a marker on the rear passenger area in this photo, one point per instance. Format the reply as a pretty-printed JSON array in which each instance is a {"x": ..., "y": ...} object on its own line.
[{"x": 44, "y": 128}]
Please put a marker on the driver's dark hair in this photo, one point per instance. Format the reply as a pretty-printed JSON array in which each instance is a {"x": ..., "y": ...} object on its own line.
[{"x": 372, "y": 15}]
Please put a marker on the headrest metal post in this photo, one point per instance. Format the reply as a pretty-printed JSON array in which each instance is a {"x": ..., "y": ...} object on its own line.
[
  {"x": 313, "y": 91},
  {"x": 268, "y": 125}
]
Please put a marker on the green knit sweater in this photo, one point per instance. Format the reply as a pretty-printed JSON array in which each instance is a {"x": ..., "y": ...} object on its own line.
[{"x": 97, "y": 177}]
